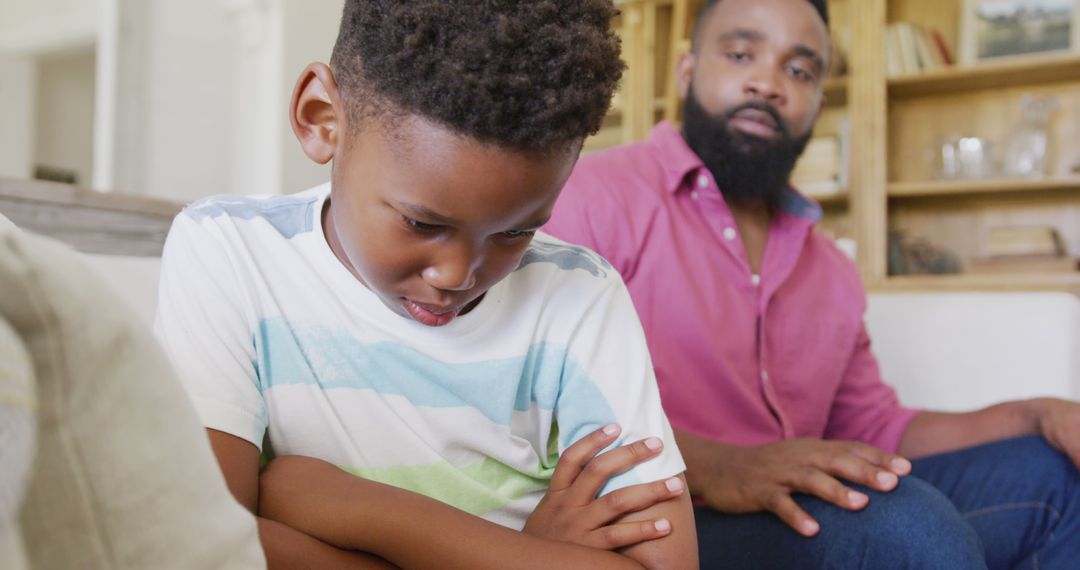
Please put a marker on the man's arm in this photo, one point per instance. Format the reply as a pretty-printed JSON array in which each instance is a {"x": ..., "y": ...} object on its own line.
[
  {"x": 738, "y": 479},
  {"x": 1056, "y": 420}
]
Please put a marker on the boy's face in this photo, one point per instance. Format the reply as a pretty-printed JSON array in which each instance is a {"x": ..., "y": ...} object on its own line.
[{"x": 429, "y": 220}]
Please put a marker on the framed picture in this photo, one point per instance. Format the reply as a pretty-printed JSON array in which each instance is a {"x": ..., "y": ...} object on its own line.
[{"x": 992, "y": 29}]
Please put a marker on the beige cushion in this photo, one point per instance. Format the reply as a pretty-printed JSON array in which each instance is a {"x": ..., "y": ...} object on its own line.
[
  {"x": 17, "y": 428},
  {"x": 124, "y": 476}
]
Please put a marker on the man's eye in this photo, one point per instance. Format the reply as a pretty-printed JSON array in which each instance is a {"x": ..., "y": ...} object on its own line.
[
  {"x": 801, "y": 74},
  {"x": 420, "y": 227},
  {"x": 738, "y": 56}
]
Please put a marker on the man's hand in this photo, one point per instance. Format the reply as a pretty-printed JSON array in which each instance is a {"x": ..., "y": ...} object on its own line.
[
  {"x": 1059, "y": 423},
  {"x": 570, "y": 511},
  {"x": 736, "y": 479}
]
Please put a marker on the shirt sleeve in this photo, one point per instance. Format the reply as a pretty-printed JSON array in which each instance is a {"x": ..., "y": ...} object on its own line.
[
  {"x": 865, "y": 408},
  {"x": 587, "y": 213},
  {"x": 204, "y": 322},
  {"x": 609, "y": 377}
]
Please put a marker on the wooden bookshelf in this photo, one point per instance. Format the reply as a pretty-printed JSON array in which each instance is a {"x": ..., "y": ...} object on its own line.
[
  {"x": 1010, "y": 72},
  {"x": 991, "y": 186},
  {"x": 1069, "y": 282}
]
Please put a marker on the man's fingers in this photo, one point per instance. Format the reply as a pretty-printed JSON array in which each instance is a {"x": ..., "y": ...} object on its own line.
[
  {"x": 783, "y": 506},
  {"x": 574, "y": 459},
  {"x": 630, "y": 500},
  {"x": 854, "y": 468},
  {"x": 894, "y": 463},
  {"x": 609, "y": 464},
  {"x": 826, "y": 487},
  {"x": 621, "y": 535}
]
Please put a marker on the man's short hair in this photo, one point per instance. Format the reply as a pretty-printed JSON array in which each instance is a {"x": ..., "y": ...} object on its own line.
[
  {"x": 526, "y": 75},
  {"x": 821, "y": 6}
]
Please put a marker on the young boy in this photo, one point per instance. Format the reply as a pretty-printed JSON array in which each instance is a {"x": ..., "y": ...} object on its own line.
[{"x": 400, "y": 335}]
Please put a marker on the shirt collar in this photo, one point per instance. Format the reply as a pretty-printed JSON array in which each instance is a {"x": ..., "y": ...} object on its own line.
[{"x": 679, "y": 162}]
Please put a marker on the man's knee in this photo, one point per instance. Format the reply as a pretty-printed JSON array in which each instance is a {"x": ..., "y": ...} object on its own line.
[{"x": 914, "y": 526}]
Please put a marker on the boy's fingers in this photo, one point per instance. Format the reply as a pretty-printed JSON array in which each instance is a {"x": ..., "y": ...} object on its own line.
[
  {"x": 574, "y": 459},
  {"x": 630, "y": 500},
  {"x": 789, "y": 511},
  {"x": 609, "y": 464},
  {"x": 625, "y": 534}
]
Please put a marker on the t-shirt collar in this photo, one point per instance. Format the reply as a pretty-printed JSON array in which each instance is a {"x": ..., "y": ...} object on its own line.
[{"x": 680, "y": 162}]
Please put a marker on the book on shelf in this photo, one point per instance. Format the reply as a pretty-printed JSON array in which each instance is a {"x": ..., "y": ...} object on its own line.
[
  {"x": 1025, "y": 264},
  {"x": 910, "y": 49},
  {"x": 822, "y": 168},
  {"x": 1024, "y": 241}
]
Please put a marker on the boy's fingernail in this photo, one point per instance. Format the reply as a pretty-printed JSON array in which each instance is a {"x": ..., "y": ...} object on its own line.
[
  {"x": 674, "y": 484},
  {"x": 886, "y": 479},
  {"x": 662, "y": 525},
  {"x": 611, "y": 429},
  {"x": 654, "y": 443}
]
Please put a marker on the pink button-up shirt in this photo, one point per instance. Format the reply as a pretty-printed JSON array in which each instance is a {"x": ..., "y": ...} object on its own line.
[{"x": 740, "y": 358}]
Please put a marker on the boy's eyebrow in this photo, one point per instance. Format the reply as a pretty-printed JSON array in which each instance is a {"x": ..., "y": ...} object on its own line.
[{"x": 425, "y": 213}]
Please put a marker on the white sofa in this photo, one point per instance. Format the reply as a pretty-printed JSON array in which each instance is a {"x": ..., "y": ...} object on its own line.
[{"x": 942, "y": 351}]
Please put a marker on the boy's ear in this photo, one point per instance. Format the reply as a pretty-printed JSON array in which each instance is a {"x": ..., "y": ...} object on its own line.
[
  {"x": 684, "y": 72},
  {"x": 317, "y": 113}
]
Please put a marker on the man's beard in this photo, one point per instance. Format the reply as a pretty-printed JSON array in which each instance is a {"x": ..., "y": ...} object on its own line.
[{"x": 748, "y": 169}]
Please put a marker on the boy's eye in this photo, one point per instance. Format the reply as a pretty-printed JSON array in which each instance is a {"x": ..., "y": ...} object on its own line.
[
  {"x": 514, "y": 234},
  {"x": 420, "y": 227}
]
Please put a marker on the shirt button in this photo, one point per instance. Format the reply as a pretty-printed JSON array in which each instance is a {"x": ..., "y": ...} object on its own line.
[
  {"x": 693, "y": 195},
  {"x": 764, "y": 376},
  {"x": 729, "y": 234},
  {"x": 755, "y": 279},
  {"x": 702, "y": 181}
]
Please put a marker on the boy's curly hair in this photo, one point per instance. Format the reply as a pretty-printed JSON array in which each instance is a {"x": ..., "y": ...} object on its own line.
[{"x": 529, "y": 75}]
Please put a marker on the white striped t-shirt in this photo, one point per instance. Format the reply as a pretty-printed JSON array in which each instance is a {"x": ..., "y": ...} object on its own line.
[{"x": 271, "y": 334}]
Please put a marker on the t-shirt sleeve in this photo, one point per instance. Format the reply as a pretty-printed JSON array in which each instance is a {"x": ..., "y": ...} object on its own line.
[
  {"x": 608, "y": 377},
  {"x": 588, "y": 213},
  {"x": 865, "y": 408},
  {"x": 204, "y": 323}
]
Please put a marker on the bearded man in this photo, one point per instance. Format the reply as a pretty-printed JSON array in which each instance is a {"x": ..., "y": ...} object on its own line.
[{"x": 798, "y": 454}]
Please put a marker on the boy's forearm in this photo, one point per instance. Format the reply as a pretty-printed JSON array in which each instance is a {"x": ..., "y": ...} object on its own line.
[
  {"x": 407, "y": 529},
  {"x": 286, "y": 548}
]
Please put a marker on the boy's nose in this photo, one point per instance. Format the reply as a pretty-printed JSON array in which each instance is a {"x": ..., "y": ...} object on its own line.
[{"x": 453, "y": 273}]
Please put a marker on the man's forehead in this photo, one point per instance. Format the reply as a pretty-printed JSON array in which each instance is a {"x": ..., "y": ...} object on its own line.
[{"x": 793, "y": 21}]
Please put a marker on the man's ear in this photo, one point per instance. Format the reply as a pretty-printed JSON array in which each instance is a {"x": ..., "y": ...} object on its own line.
[
  {"x": 317, "y": 113},
  {"x": 684, "y": 72}
]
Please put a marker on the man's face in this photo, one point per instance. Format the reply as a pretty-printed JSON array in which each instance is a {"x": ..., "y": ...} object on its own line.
[
  {"x": 753, "y": 89},
  {"x": 761, "y": 62},
  {"x": 429, "y": 220}
]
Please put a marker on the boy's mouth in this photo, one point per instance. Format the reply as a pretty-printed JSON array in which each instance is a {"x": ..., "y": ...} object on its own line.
[{"x": 430, "y": 315}]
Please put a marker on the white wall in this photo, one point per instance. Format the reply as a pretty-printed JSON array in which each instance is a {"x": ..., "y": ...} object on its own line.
[
  {"x": 65, "y": 113},
  {"x": 38, "y": 26},
  {"x": 17, "y": 112},
  {"x": 309, "y": 33}
]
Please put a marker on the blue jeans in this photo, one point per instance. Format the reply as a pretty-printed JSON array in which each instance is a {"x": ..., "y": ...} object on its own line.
[{"x": 1007, "y": 504}]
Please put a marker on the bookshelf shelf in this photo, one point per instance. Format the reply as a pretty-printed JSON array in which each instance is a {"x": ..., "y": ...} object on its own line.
[
  {"x": 1013, "y": 72},
  {"x": 982, "y": 282},
  {"x": 836, "y": 91},
  {"x": 992, "y": 186}
]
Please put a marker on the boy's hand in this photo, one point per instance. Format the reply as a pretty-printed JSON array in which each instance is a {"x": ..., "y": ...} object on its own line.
[{"x": 570, "y": 511}]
